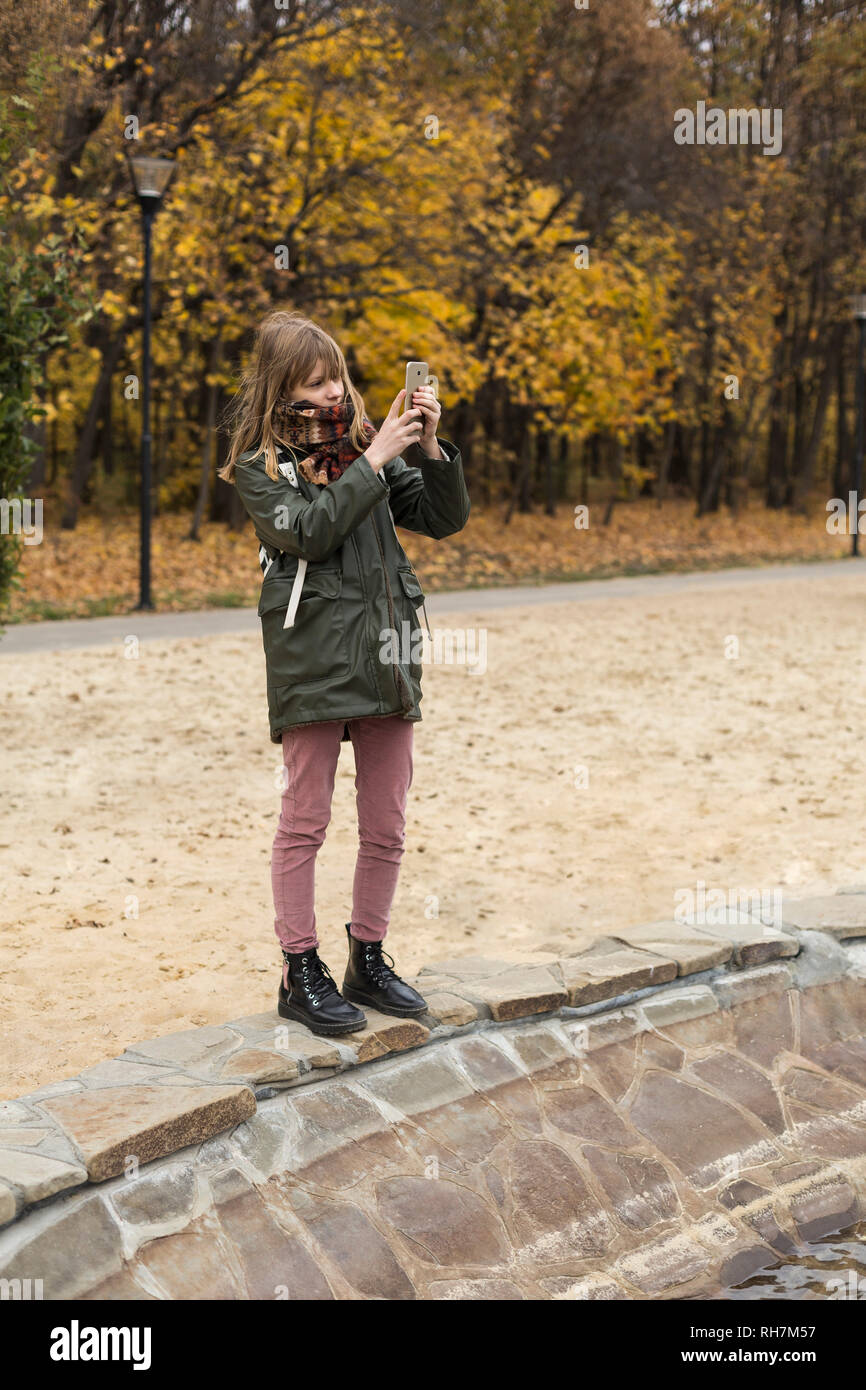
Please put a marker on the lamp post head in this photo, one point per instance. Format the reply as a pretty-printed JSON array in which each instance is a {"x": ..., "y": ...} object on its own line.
[
  {"x": 150, "y": 179},
  {"x": 858, "y": 306}
]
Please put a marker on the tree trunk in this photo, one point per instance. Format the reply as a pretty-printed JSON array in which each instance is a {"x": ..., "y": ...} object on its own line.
[
  {"x": 583, "y": 470},
  {"x": 528, "y": 447},
  {"x": 54, "y": 462},
  {"x": 798, "y": 412},
  {"x": 35, "y": 431},
  {"x": 545, "y": 466},
  {"x": 680, "y": 474},
  {"x": 665, "y": 465},
  {"x": 563, "y": 461},
  {"x": 707, "y": 459},
  {"x": 111, "y": 350},
  {"x": 520, "y": 447},
  {"x": 806, "y": 473},
  {"x": 617, "y": 476},
  {"x": 210, "y": 424},
  {"x": 644, "y": 459},
  {"x": 464, "y": 431},
  {"x": 777, "y": 442},
  {"x": 595, "y": 456},
  {"x": 709, "y": 497},
  {"x": 488, "y": 394},
  {"x": 842, "y": 472},
  {"x": 107, "y": 436}
]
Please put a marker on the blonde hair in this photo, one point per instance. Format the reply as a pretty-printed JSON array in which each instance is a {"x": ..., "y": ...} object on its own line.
[{"x": 285, "y": 353}]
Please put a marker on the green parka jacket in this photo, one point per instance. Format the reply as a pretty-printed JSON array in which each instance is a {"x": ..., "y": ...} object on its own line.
[{"x": 335, "y": 571}]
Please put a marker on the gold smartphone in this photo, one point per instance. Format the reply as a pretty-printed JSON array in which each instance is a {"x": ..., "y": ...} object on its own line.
[{"x": 418, "y": 375}]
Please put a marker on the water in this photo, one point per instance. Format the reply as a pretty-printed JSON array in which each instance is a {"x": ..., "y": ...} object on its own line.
[{"x": 833, "y": 1267}]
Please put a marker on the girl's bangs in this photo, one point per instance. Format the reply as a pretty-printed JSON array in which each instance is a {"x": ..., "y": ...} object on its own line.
[{"x": 317, "y": 349}]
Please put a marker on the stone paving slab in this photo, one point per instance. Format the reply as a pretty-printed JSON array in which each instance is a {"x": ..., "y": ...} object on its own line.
[
  {"x": 660, "y": 1267},
  {"x": 194, "y": 1047},
  {"x": 56, "y": 1088},
  {"x": 447, "y": 1008},
  {"x": 157, "y": 1197},
  {"x": 609, "y": 968},
  {"x": 736, "y": 989},
  {"x": 121, "y": 1071},
  {"x": 506, "y": 989},
  {"x": 753, "y": 945},
  {"x": 741, "y": 937},
  {"x": 384, "y": 1034},
  {"x": 290, "y": 1039},
  {"x": 465, "y": 968},
  {"x": 843, "y": 915},
  {"x": 14, "y": 1112},
  {"x": 79, "y": 1247},
  {"x": 592, "y": 1287},
  {"x": 675, "y": 1006},
  {"x": 35, "y": 1176},
  {"x": 8, "y": 1204},
  {"x": 257, "y": 1066},
  {"x": 110, "y": 1126},
  {"x": 24, "y": 1137},
  {"x": 692, "y": 950}
]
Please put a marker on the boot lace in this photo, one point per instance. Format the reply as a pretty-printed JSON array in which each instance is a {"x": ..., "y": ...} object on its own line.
[
  {"x": 378, "y": 969},
  {"x": 316, "y": 978}
]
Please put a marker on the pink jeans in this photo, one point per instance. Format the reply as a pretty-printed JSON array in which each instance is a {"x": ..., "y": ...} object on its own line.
[{"x": 383, "y": 775}]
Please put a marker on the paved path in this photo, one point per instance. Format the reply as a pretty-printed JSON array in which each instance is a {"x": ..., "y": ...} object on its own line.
[{"x": 92, "y": 632}]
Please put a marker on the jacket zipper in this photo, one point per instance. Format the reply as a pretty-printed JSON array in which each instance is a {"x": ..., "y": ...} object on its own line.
[
  {"x": 399, "y": 682},
  {"x": 370, "y": 652}
]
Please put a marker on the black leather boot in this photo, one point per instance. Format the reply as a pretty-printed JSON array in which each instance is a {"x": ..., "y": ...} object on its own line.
[
  {"x": 313, "y": 999},
  {"x": 369, "y": 980}
]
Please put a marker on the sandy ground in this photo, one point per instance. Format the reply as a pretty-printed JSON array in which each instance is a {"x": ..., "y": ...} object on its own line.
[{"x": 148, "y": 786}]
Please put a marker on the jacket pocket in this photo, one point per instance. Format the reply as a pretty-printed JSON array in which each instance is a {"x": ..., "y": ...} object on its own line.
[
  {"x": 315, "y": 647},
  {"x": 277, "y": 588},
  {"x": 411, "y": 586},
  {"x": 413, "y": 598}
]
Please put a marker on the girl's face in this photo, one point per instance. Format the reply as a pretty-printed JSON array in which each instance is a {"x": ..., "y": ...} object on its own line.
[{"x": 316, "y": 389}]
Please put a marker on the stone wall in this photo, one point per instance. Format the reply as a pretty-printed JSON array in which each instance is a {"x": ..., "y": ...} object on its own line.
[{"x": 656, "y": 1117}]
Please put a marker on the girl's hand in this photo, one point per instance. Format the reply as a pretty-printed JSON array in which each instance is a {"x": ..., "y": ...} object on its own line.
[
  {"x": 397, "y": 433},
  {"x": 425, "y": 399}
]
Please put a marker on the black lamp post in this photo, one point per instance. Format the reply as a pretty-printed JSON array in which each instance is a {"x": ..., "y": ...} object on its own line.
[
  {"x": 150, "y": 179},
  {"x": 858, "y": 309}
]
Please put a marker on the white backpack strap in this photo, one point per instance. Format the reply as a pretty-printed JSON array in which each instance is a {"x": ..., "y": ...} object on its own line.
[
  {"x": 287, "y": 468},
  {"x": 295, "y": 598}
]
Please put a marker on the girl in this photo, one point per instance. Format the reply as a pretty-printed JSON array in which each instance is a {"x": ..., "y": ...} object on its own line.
[{"x": 338, "y": 608}]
